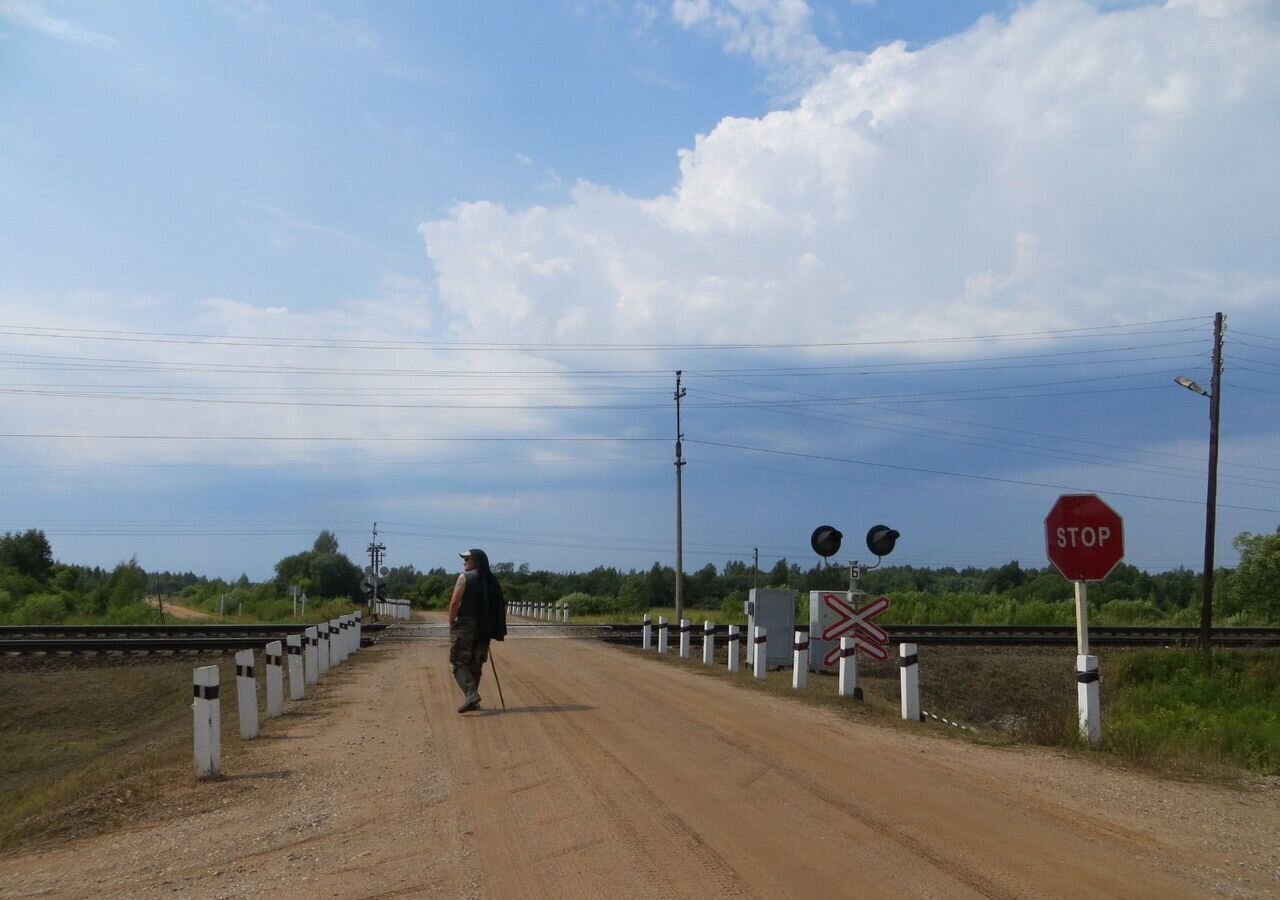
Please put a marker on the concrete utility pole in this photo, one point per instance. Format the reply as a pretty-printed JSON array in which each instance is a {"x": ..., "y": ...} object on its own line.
[{"x": 680, "y": 392}]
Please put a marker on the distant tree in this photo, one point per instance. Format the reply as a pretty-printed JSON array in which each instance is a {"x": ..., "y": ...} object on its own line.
[
  {"x": 1255, "y": 587},
  {"x": 28, "y": 554},
  {"x": 326, "y": 542}
]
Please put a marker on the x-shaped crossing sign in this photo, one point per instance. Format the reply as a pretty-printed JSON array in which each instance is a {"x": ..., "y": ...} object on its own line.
[{"x": 856, "y": 624}]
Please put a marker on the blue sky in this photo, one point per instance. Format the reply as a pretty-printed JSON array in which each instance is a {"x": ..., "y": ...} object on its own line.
[{"x": 271, "y": 267}]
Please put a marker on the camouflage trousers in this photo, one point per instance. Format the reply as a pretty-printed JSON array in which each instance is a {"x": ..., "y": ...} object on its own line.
[{"x": 467, "y": 656}]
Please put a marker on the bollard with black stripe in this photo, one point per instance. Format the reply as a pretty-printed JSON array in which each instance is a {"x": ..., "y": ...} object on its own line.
[
  {"x": 293, "y": 645},
  {"x": 662, "y": 635},
  {"x": 849, "y": 669},
  {"x": 275, "y": 679},
  {"x": 800, "y": 661},
  {"x": 910, "y": 680},
  {"x": 646, "y": 633},
  {"x": 311, "y": 638},
  {"x": 207, "y": 711},
  {"x": 247, "y": 694},
  {"x": 735, "y": 635},
  {"x": 685, "y": 627},
  {"x": 761, "y": 642},
  {"x": 708, "y": 642}
]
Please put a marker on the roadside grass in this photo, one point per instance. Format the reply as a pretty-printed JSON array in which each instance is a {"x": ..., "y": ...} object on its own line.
[
  {"x": 1180, "y": 709},
  {"x": 1163, "y": 710},
  {"x": 83, "y": 748}
]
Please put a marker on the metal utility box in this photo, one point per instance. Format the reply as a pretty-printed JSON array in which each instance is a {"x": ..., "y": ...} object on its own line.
[{"x": 775, "y": 610}]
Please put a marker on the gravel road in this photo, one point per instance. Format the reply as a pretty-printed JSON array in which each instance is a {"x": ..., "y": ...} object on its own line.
[{"x": 615, "y": 775}]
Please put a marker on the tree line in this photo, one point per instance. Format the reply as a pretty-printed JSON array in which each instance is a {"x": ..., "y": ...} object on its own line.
[{"x": 36, "y": 589}]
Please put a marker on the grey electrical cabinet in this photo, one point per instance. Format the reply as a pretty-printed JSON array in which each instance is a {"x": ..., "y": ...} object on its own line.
[{"x": 775, "y": 610}]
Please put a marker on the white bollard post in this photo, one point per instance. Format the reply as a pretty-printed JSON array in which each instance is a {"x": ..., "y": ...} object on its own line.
[
  {"x": 761, "y": 643},
  {"x": 685, "y": 627},
  {"x": 208, "y": 722},
  {"x": 312, "y": 640},
  {"x": 849, "y": 669},
  {"x": 708, "y": 642},
  {"x": 346, "y": 624},
  {"x": 247, "y": 694},
  {"x": 733, "y": 648},
  {"x": 322, "y": 632},
  {"x": 275, "y": 679},
  {"x": 1088, "y": 698},
  {"x": 355, "y": 645},
  {"x": 335, "y": 643},
  {"x": 800, "y": 660},
  {"x": 646, "y": 633},
  {"x": 910, "y": 682},
  {"x": 565, "y": 616},
  {"x": 293, "y": 643},
  {"x": 662, "y": 635}
]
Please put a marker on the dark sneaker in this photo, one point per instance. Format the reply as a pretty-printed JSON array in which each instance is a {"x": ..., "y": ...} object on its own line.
[{"x": 471, "y": 704}]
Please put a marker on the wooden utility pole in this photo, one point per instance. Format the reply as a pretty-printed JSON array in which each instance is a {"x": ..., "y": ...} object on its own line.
[
  {"x": 1211, "y": 501},
  {"x": 680, "y": 392}
]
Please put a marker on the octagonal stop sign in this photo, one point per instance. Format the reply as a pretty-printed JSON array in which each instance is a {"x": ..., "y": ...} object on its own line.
[{"x": 1084, "y": 537}]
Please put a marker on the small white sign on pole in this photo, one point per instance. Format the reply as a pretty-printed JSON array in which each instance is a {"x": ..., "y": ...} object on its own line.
[
  {"x": 275, "y": 679},
  {"x": 247, "y": 694},
  {"x": 207, "y": 710}
]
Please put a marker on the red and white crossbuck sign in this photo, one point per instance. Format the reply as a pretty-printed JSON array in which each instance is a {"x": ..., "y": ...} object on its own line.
[{"x": 855, "y": 623}]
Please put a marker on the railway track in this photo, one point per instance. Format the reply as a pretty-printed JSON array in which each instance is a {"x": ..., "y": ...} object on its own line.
[
  {"x": 124, "y": 639},
  {"x": 1013, "y": 635},
  {"x": 90, "y": 639}
]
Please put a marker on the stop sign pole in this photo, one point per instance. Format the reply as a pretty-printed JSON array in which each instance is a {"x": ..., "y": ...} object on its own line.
[{"x": 1084, "y": 539}]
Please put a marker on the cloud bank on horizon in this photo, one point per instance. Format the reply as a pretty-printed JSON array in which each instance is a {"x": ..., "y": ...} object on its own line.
[{"x": 1069, "y": 165}]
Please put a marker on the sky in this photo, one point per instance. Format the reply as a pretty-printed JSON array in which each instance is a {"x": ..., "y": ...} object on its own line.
[{"x": 272, "y": 267}]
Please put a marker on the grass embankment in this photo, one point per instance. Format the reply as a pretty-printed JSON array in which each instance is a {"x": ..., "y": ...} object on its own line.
[{"x": 82, "y": 748}]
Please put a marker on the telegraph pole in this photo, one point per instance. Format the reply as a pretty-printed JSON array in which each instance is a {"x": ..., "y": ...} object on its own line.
[
  {"x": 755, "y": 568},
  {"x": 1211, "y": 501},
  {"x": 376, "y": 553},
  {"x": 680, "y": 392}
]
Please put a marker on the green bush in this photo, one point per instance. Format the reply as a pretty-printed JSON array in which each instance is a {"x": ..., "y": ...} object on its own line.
[{"x": 40, "y": 609}]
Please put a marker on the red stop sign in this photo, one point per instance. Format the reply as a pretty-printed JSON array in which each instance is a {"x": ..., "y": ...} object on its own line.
[{"x": 1084, "y": 537}]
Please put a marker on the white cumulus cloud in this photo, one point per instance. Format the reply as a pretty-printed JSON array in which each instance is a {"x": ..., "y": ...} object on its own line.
[{"x": 1070, "y": 165}]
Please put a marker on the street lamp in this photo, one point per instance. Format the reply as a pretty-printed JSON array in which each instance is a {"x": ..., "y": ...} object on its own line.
[{"x": 1211, "y": 501}]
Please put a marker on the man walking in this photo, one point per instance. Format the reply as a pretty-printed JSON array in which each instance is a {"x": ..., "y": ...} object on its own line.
[{"x": 477, "y": 615}]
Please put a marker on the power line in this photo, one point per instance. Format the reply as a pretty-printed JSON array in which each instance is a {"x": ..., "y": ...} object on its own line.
[
  {"x": 992, "y": 478},
  {"x": 1116, "y": 330}
]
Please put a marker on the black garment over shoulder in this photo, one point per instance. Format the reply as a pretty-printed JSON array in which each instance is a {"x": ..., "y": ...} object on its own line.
[{"x": 483, "y": 602}]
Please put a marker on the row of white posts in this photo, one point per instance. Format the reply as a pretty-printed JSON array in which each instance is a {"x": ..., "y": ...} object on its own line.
[
  {"x": 392, "y": 609},
  {"x": 757, "y": 654},
  {"x": 548, "y": 612},
  {"x": 315, "y": 651}
]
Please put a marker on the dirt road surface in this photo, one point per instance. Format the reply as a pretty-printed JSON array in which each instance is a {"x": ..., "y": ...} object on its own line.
[{"x": 613, "y": 774}]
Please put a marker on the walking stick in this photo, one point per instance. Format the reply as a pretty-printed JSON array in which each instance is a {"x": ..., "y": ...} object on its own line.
[{"x": 494, "y": 666}]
